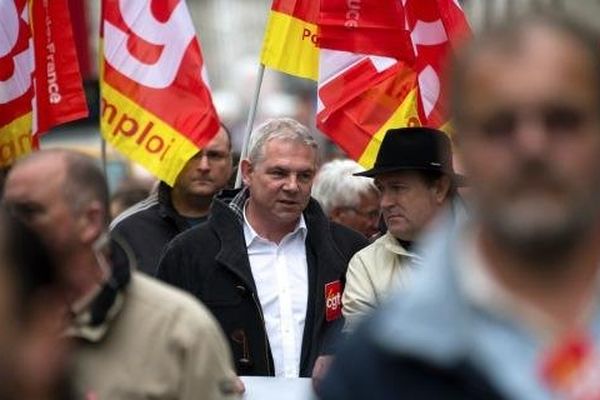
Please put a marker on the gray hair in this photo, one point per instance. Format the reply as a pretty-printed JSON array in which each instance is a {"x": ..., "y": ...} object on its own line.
[
  {"x": 507, "y": 36},
  {"x": 335, "y": 186},
  {"x": 278, "y": 128}
]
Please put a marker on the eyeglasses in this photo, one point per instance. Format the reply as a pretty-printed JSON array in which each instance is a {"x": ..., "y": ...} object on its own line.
[{"x": 373, "y": 214}]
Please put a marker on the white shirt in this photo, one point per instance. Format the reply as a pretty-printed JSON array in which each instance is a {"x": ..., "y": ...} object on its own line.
[{"x": 280, "y": 272}]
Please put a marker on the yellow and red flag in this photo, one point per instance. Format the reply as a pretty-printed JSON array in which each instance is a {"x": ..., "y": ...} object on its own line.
[
  {"x": 290, "y": 43},
  {"x": 156, "y": 106},
  {"x": 40, "y": 83},
  {"x": 380, "y": 68}
]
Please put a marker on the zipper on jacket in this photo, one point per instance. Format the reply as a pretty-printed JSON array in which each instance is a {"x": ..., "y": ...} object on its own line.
[{"x": 267, "y": 346}]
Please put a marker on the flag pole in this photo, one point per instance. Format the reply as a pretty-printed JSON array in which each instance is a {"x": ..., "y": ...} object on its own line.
[
  {"x": 103, "y": 155},
  {"x": 250, "y": 123}
]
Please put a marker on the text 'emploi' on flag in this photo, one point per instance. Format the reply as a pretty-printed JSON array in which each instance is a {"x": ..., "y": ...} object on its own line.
[
  {"x": 380, "y": 67},
  {"x": 40, "y": 83},
  {"x": 156, "y": 106}
]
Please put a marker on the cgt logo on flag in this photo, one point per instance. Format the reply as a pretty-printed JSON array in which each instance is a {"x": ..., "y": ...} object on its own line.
[
  {"x": 333, "y": 300},
  {"x": 381, "y": 69},
  {"x": 16, "y": 89},
  {"x": 156, "y": 106},
  {"x": 40, "y": 84}
]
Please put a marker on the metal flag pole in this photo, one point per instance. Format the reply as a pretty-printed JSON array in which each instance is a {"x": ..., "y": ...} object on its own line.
[
  {"x": 103, "y": 155},
  {"x": 250, "y": 123}
]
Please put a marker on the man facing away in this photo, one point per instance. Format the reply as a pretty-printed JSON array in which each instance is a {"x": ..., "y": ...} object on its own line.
[
  {"x": 133, "y": 337},
  {"x": 414, "y": 175},
  {"x": 268, "y": 263},
  {"x": 348, "y": 200},
  {"x": 507, "y": 306},
  {"x": 148, "y": 226}
]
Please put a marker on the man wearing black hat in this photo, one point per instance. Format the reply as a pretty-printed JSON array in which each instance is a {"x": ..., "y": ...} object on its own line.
[{"x": 414, "y": 174}]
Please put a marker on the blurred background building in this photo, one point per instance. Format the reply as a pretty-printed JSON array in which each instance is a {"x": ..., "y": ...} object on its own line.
[{"x": 231, "y": 33}]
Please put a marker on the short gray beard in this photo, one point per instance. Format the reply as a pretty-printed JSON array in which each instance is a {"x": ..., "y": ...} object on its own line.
[{"x": 543, "y": 244}]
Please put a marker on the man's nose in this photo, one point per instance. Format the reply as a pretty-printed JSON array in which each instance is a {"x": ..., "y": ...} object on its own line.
[
  {"x": 291, "y": 183},
  {"x": 374, "y": 224},
  {"x": 386, "y": 200},
  {"x": 531, "y": 138},
  {"x": 203, "y": 164}
]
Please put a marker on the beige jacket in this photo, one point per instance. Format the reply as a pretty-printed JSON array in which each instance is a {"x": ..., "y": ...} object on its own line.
[
  {"x": 157, "y": 343},
  {"x": 372, "y": 273}
]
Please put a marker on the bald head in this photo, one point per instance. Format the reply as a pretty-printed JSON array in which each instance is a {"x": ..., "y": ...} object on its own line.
[
  {"x": 62, "y": 195},
  {"x": 80, "y": 179}
]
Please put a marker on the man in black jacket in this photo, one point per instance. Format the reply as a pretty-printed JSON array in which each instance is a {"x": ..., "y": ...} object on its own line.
[
  {"x": 149, "y": 225},
  {"x": 268, "y": 263}
]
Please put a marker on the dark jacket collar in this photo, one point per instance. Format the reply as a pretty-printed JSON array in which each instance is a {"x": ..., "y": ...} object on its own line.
[
  {"x": 93, "y": 323},
  {"x": 227, "y": 221},
  {"x": 166, "y": 208},
  {"x": 235, "y": 200},
  {"x": 229, "y": 228}
]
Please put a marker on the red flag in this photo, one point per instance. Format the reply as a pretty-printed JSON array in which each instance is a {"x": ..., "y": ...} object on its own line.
[
  {"x": 156, "y": 104},
  {"x": 373, "y": 27},
  {"x": 40, "y": 85},
  {"x": 59, "y": 92},
  {"x": 400, "y": 80}
]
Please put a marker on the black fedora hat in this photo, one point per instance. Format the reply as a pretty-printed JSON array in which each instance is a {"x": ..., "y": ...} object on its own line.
[{"x": 414, "y": 148}]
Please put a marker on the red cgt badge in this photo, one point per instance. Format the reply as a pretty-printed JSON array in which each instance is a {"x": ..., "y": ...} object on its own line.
[
  {"x": 572, "y": 369},
  {"x": 333, "y": 300}
]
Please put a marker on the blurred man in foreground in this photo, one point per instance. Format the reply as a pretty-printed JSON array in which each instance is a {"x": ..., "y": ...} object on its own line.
[
  {"x": 506, "y": 307},
  {"x": 348, "y": 200},
  {"x": 148, "y": 226},
  {"x": 32, "y": 353},
  {"x": 134, "y": 337}
]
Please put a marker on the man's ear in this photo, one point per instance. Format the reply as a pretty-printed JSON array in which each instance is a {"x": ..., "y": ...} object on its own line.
[
  {"x": 247, "y": 169},
  {"x": 441, "y": 188},
  {"x": 92, "y": 222}
]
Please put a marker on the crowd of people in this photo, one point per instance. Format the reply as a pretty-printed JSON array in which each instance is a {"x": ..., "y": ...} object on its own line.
[{"x": 377, "y": 284}]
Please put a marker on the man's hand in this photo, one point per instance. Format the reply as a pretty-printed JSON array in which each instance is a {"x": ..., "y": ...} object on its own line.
[{"x": 319, "y": 371}]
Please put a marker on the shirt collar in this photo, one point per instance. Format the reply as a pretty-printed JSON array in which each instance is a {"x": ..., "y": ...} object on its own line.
[
  {"x": 81, "y": 323},
  {"x": 392, "y": 244},
  {"x": 485, "y": 292},
  {"x": 250, "y": 234}
]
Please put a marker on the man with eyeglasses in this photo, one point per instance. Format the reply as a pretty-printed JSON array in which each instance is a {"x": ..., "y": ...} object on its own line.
[
  {"x": 149, "y": 225},
  {"x": 414, "y": 175},
  {"x": 348, "y": 200}
]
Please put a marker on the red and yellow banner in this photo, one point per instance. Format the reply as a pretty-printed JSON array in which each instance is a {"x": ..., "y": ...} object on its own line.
[
  {"x": 290, "y": 43},
  {"x": 156, "y": 106},
  {"x": 371, "y": 27},
  {"x": 40, "y": 83},
  {"x": 367, "y": 84}
]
